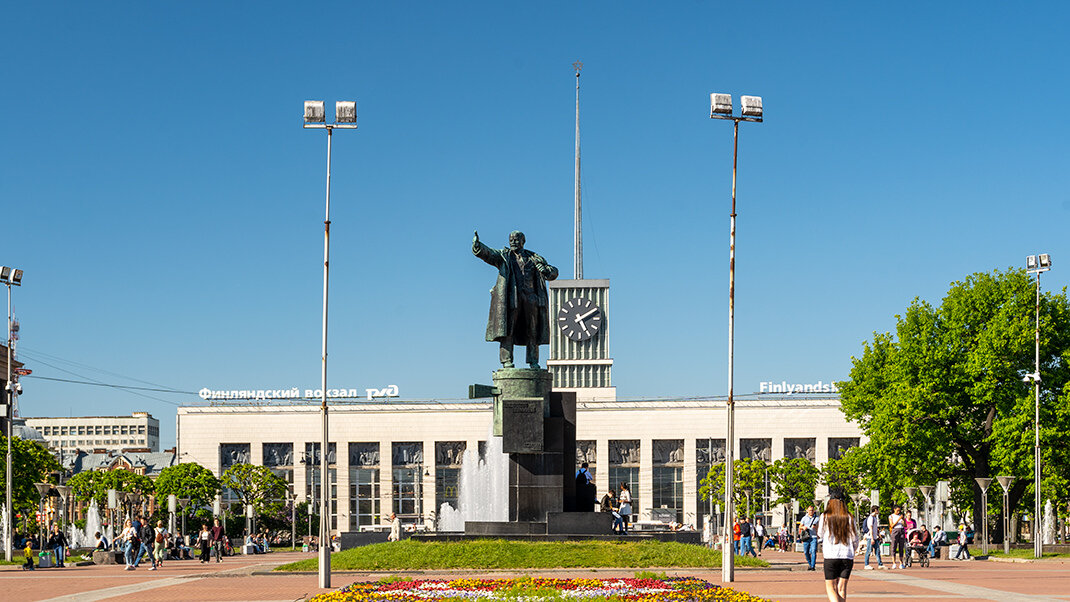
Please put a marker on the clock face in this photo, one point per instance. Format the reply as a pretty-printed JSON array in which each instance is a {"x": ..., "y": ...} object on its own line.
[{"x": 580, "y": 319}]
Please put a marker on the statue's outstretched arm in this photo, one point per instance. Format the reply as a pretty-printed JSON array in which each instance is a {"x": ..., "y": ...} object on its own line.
[{"x": 484, "y": 252}]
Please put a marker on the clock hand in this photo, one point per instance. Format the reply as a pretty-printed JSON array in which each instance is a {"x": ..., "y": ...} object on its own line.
[{"x": 586, "y": 315}]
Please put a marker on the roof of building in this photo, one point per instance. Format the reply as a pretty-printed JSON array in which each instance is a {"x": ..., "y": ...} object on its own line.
[{"x": 153, "y": 462}]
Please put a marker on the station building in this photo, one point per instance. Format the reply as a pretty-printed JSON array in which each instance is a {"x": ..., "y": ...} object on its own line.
[{"x": 405, "y": 456}]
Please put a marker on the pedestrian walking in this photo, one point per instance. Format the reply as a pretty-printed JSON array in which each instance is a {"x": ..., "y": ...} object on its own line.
[
  {"x": 130, "y": 541},
  {"x": 837, "y": 530},
  {"x": 395, "y": 528},
  {"x": 204, "y": 538},
  {"x": 872, "y": 535},
  {"x": 808, "y": 537},
  {"x": 219, "y": 537},
  {"x": 759, "y": 533},
  {"x": 57, "y": 542},
  {"x": 746, "y": 536},
  {"x": 964, "y": 545},
  {"x": 159, "y": 546},
  {"x": 146, "y": 538}
]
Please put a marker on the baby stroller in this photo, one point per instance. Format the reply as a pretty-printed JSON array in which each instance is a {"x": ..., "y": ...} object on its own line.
[{"x": 917, "y": 549}]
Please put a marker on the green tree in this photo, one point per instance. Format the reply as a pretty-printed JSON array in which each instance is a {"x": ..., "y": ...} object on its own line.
[
  {"x": 30, "y": 463},
  {"x": 944, "y": 398},
  {"x": 846, "y": 473},
  {"x": 188, "y": 480},
  {"x": 749, "y": 474},
  {"x": 94, "y": 484},
  {"x": 793, "y": 479},
  {"x": 255, "y": 485}
]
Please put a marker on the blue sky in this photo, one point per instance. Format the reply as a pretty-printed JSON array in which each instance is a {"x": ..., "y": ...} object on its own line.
[{"x": 167, "y": 206}]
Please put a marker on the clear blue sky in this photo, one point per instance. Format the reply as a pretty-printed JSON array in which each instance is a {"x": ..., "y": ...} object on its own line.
[{"x": 167, "y": 206}]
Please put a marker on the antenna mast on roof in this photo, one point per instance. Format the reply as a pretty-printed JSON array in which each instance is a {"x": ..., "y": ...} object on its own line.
[{"x": 578, "y": 237}]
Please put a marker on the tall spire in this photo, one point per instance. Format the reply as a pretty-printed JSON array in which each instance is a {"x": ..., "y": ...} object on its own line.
[{"x": 578, "y": 237}]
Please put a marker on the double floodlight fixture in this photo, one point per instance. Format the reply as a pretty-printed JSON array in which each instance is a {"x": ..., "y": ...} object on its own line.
[
  {"x": 1038, "y": 263},
  {"x": 10, "y": 276},
  {"x": 345, "y": 114},
  {"x": 721, "y": 107},
  {"x": 1031, "y": 377}
]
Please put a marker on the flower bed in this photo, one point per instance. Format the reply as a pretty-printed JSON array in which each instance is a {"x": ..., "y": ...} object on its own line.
[{"x": 535, "y": 588}]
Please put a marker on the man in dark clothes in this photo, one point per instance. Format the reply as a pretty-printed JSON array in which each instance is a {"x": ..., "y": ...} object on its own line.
[{"x": 217, "y": 538}]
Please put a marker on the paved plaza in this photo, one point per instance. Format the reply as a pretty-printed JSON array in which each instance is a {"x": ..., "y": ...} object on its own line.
[{"x": 247, "y": 578}]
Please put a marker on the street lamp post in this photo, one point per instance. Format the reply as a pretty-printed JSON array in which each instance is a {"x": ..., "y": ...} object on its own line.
[
  {"x": 183, "y": 503},
  {"x": 345, "y": 117},
  {"x": 721, "y": 108},
  {"x": 983, "y": 483},
  {"x": 9, "y": 277},
  {"x": 1036, "y": 264},
  {"x": 43, "y": 490},
  {"x": 1005, "y": 482},
  {"x": 927, "y": 512},
  {"x": 293, "y": 518},
  {"x": 909, "y": 492}
]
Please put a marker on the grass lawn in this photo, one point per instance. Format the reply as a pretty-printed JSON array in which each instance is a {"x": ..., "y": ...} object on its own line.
[
  {"x": 1024, "y": 553},
  {"x": 502, "y": 554}
]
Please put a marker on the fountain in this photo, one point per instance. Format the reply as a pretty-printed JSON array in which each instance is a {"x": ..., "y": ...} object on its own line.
[
  {"x": 85, "y": 538},
  {"x": 483, "y": 488},
  {"x": 1048, "y": 532}
]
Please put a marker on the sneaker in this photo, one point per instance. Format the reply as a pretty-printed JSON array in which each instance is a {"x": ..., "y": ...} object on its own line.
[
  {"x": 152, "y": 568},
  {"x": 129, "y": 568},
  {"x": 868, "y": 568}
]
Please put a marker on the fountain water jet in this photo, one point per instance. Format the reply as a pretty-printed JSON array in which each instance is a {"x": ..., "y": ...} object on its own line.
[
  {"x": 1048, "y": 526},
  {"x": 482, "y": 488}
]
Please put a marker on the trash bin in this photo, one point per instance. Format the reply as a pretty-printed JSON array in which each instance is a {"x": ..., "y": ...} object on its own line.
[{"x": 44, "y": 560}]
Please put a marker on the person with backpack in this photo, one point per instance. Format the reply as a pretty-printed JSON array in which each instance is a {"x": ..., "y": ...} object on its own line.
[
  {"x": 871, "y": 529},
  {"x": 159, "y": 547}
]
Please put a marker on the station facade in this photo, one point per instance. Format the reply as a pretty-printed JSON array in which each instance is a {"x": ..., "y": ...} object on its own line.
[{"x": 406, "y": 456}]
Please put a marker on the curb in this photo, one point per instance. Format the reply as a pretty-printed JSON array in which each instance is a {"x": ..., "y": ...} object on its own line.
[{"x": 463, "y": 572}]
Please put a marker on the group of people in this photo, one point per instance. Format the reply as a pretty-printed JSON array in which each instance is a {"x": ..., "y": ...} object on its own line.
[
  {"x": 842, "y": 540},
  {"x": 619, "y": 506},
  {"x": 744, "y": 532},
  {"x": 140, "y": 538}
]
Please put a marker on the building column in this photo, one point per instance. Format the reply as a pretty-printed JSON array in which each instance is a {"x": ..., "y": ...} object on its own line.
[
  {"x": 341, "y": 464},
  {"x": 646, "y": 479},
  {"x": 691, "y": 509},
  {"x": 386, "y": 480}
]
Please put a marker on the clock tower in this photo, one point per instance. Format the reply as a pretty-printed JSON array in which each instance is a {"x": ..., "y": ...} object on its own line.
[
  {"x": 579, "y": 339},
  {"x": 579, "y": 316}
]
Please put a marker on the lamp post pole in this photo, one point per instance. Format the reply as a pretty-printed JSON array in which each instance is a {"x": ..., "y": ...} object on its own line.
[
  {"x": 983, "y": 483},
  {"x": 721, "y": 108},
  {"x": 346, "y": 118},
  {"x": 1036, "y": 265},
  {"x": 1005, "y": 482},
  {"x": 10, "y": 277}
]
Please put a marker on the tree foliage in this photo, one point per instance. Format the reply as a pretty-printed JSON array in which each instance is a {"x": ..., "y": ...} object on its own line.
[
  {"x": 793, "y": 479},
  {"x": 943, "y": 396},
  {"x": 749, "y": 474},
  {"x": 30, "y": 463},
  {"x": 94, "y": 484},
  {"x": 255, "y": 485},
  {"x": 189, "y": 480},
  {"x": 846, "y": 473}
]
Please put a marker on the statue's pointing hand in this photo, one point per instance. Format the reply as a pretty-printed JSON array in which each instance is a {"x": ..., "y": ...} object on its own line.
[{"x": 475, "y": 238}]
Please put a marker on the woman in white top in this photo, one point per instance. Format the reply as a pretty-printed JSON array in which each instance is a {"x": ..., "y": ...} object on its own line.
[
  {"x": 839, "y": 538},
  {"x": 625, "y": 507},
  {"x": 128, "y": 535}
]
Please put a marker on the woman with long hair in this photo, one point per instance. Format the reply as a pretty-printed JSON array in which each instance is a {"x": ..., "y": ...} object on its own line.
[{"x": 840, "y": 538}]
